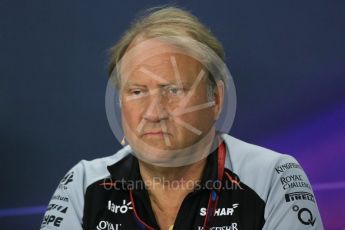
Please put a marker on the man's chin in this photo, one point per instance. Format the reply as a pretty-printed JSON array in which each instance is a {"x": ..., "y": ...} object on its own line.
[
  {"x": 155, "y": 152},
  {"x": 166, "y": 157},
  {"x": 158, "y": 145}
]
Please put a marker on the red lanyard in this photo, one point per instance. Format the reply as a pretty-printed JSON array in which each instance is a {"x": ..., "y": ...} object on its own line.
[
  {"x": 212, "y": 201},
  {"x": 214, "y": 194}
]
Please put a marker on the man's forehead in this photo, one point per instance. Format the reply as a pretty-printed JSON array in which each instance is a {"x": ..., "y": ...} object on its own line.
[
  {"x": 167, "y": 60},
  {"x": 158, "y": 62},
  {"x": 143, "y": 75},
  {"x": 163, "y": 69},
  {"x": 141, "y": 82},
  {"x": 154, "y": 51},
  {"x": 140, "y": 43}
]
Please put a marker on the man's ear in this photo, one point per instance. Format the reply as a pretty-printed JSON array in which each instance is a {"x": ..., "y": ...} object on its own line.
[{"x": 218, "y": 99}]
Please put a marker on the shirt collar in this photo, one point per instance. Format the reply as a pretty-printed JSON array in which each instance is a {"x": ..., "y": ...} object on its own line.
[{"x": 127, "y": 171}]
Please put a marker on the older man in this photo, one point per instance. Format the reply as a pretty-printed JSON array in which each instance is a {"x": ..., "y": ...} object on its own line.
[{"x": 177, "y": 171}]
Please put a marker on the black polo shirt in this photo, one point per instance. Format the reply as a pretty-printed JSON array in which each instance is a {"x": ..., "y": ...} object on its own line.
[{"x": 121, "y": 201}]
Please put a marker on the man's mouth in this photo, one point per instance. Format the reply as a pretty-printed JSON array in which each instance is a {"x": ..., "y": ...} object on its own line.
[{"x": 155, "y": 133}]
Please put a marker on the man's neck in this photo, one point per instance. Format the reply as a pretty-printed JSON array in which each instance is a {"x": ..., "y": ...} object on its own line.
[
  {"x": 160, "y": 177},
  {"x": 168, "y": 186}
]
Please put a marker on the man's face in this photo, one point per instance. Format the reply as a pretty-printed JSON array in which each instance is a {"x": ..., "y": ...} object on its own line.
[{"x": 164, "y": 98}]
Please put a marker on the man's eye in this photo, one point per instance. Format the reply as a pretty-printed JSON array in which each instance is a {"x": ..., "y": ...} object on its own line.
[
  {"x": 175, "y": 90},
  {"x": 136, "y": 92}
]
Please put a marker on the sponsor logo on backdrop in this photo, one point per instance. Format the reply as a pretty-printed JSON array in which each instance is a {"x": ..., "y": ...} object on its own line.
[
  {"x": 299, "y": 196},
  {"x": 233, "y": 226},
  {"x": 305, "y": 216},
  {"x": 287, "y": 166},
  {"x": 62, "y": 198},
  {"x": 68, "y": 178},
  {"x": 293, "y": 181},
  {"x": 62, "y": 209},
  {"x": 220, "y": 211},
  {"x": 105, "y": 225},
  {"x": 51, "y": 220},
  {"x": 119, "y": 208}
]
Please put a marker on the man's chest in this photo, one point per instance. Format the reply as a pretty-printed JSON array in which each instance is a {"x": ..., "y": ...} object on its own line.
[{"x": 133, "y": 210}]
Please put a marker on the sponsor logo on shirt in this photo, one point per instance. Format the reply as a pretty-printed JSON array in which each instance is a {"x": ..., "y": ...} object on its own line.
[
  {"x": 68, "y": 178},
  {"x": 119, "y": 208},
  {"x": 59, "y": 208},
  {"x": 220, "y": 211},
  {"x": 293, "y": 181},
  {"x": 305, "y": 216},
  {"x": 51, "y": 220},
  {"x": 233, "y": 226},
  {"x": 107, "y": 225},
  {"x": 299, "y": 196},
  {"x": 287, "y": 166},
  {"x": 62, "y": 198}
]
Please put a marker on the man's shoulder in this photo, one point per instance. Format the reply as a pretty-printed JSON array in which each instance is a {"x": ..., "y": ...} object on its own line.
[
  {"x": 245, "y": 154},
  {"x": 256, "y": 166},
  {"x": 90, "y": 171}
]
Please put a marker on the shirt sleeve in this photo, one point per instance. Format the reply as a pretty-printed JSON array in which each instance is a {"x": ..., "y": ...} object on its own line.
[
  {"x": 291, "y": 203},
  {"x": 65, "y": 208}
]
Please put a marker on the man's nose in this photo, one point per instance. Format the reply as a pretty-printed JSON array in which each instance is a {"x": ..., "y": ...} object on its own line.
[{"x": 156, "y": 111}]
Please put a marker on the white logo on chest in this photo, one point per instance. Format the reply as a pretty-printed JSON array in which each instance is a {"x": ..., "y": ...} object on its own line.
[
  {"x": 119, "y": 208},
  {"x": 220, "y": 211}
]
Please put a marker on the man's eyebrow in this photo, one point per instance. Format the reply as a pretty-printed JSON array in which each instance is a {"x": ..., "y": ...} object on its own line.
[
  {"x": 168, "y": 83},
  {"x": 127, "y": 84},
  {"x": 175, "y": 83}
]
